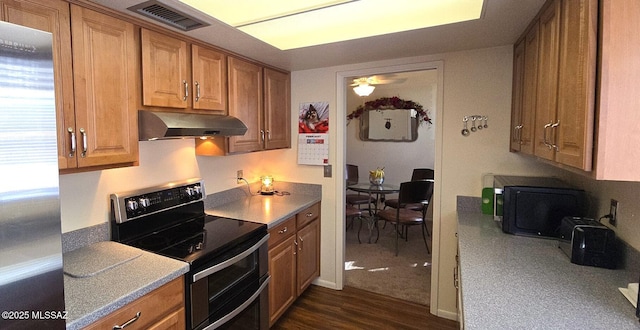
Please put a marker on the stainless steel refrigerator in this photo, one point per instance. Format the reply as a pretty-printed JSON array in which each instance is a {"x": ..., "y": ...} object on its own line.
[{"x": 31, "y": 278}]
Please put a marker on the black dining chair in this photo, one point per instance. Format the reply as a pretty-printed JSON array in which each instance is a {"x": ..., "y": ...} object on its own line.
[
  {"x": 417, "y": 174},
  {"x": 412, "y": 192},
  {"x": 351, "y": 177}
]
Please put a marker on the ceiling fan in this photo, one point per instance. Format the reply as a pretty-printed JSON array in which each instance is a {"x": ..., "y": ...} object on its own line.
[
  {"x": 364, "y": 86},
  {"x": 382, "y": 79}
]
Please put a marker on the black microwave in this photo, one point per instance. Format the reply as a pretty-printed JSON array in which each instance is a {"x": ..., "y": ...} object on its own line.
[{"x": 535, "y": 206}]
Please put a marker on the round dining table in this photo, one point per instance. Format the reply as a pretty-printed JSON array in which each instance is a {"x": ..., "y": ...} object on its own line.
[{"x": 379, "y": 191}]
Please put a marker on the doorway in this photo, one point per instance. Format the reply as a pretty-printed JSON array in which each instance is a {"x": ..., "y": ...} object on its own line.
[{"x": 390, "y": 155}]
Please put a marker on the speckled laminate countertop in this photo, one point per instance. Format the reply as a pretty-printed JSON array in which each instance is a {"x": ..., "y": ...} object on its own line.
[
  {"x": 109, "y": 275},
  {"x": 515, "y": 282},
  {"x": 267, "y": 209}
]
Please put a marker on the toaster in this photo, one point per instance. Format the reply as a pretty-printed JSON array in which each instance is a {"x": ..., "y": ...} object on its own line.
[{"x": 587, "y": 242}]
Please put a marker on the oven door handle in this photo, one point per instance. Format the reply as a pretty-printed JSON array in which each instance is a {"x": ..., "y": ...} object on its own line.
[
  {"x": 240, "y": 308},
  {"x": 204, "y": 273}
]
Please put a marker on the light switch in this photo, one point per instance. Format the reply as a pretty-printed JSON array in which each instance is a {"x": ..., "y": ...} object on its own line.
[{"x": 327, "y": 171}]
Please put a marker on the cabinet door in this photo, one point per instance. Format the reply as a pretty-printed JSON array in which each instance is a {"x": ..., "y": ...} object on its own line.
[
  {"x": 308, "y": 254},
  {"x": 165, "y": 82},
  {"x": 209, "y": 72},
  {"x": 282, "y": 287},
  {"x": 577, "y": 83},
  {"x": 529, "y": 93},
  {"x": 516, "y": 98},
  {"x": 277, "y": 109},
  {"x": 546, "y": 99},
  {"x": 245, "y": 103},
  {"x": 52, "y": 16},
  {"x": 105, "y": 72}
]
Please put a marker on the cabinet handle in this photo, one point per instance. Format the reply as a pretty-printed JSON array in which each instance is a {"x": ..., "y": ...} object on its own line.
[
  {"x": 554, "y": 127},
  {"x": 455, "y": 278},
  {"x": 296, "y": 244},
  {"x": 518, "y": 133},
  {"x": 282, "y": 231},
  {"x": 301, "y": 243},
  {"x": 309, "y": 215},
  {"x": 73, "y": 141},
  {"x": 186, "y": 90},
  {"x": 128, "y": 323},
  {"x": 262, "y": 135},
  {"x": 269, "y": 135},
  {"x": 84, "y": 143},
  {"x": 197, "y": 91},
  {"x": 544, "y": 135}
]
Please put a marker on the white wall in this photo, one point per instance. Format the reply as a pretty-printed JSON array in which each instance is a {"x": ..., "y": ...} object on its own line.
[
  {"x": 398, "y": 158},
  {"x": 476, "y": 82},
  {"x": 601, "y": 193},
  {"x": 84, "y": 197}
]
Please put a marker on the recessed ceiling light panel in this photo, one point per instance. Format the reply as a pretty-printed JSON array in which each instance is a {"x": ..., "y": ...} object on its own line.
[
  {"x": 245, "y": 12},
  {"x": 288, "y": 24}
]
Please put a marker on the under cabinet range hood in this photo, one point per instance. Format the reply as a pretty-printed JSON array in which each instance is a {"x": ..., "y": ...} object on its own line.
[{"x": 159, "y": 125}]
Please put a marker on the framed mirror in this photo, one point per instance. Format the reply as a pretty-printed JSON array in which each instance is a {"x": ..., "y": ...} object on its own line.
[{"x": 396, "y": 125}]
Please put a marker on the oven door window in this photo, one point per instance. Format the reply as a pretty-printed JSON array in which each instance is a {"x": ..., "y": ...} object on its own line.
[{"x": 222, "y": 284}]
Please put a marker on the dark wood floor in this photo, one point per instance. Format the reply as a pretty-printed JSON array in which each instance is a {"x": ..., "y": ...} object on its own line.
[{"x": 351, "y": 308}]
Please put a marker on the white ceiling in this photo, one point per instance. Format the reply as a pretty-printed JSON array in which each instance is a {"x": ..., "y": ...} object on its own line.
[{"x": 502, "y": 22}]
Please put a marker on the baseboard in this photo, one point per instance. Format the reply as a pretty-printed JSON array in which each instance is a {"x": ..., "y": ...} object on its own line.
[
  {"x": 326, "y": 284},
  {"x": 447, "y": 315}
]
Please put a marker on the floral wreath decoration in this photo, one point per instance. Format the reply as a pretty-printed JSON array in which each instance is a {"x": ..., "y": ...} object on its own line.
[{"x": 390, "y": 103}]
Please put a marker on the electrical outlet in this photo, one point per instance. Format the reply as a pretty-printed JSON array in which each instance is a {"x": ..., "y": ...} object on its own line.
[
  {"x": 239, "y": 176},
  {"x": 613, "y": 212}
]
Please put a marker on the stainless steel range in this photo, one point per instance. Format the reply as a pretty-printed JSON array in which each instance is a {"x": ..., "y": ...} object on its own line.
[{"x": 227, "y": 284}]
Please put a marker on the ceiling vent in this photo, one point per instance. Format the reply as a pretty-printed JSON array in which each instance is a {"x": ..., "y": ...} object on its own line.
[{"x": 162, "y": 13}]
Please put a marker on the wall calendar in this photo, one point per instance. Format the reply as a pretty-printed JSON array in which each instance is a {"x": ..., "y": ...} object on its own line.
[{"x": 313, "y": 133}]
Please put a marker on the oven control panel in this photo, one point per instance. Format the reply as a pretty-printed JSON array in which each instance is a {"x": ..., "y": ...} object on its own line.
[{"x": 135, "y": 204}]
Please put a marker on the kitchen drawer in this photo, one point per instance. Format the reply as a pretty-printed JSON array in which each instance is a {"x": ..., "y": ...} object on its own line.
[
  {"x": 282, "y": 231},
  {"x": 160, "y": 307},
  {"x": 308, "y": 215}
]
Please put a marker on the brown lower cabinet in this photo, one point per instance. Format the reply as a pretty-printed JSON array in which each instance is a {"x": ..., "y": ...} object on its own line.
[
  {"x": 294, "y": 259},
  {"x": 162, "y": 308}
]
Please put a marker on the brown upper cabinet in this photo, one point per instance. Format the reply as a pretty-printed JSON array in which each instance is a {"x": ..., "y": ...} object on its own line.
[
  {"x": 260, "y": 98},
  {"x": 95, "y": 102},
  {"x": 245, "y": 103},
  {"x": 566, "y": 83},
  {"x": 105, "y": 72},
  {"x": 556, "y": 85},
  {"x": 586, "y": 93},
  {"x": 171, "y": 79},
  {"x": 97, "y": 65},
  {"x": 525, "y": 74},
  {"x": 209, "y": 76},
  {"x": 277, "y": 109}
]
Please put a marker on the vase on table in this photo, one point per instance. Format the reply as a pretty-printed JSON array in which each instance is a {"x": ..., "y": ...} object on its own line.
[{"x": 376, "y": 177}]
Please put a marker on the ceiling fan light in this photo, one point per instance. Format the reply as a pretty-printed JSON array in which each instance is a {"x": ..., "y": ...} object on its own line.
[{"x": 364, "y": 90}]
